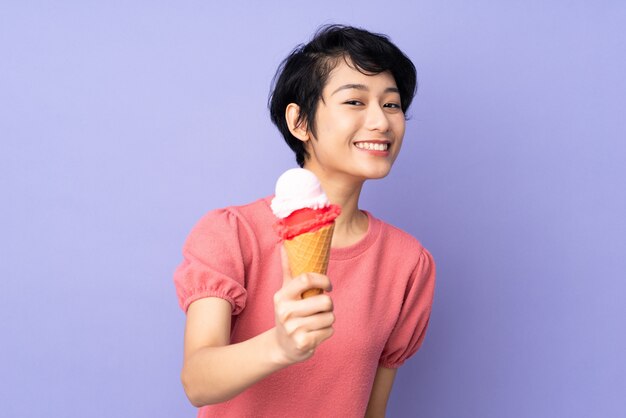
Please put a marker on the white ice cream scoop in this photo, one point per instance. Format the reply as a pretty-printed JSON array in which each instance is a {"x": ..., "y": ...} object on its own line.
[{"x": 297, "y": 188}]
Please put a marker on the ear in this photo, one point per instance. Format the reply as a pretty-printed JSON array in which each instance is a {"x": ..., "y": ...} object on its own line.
[{"x": 301, "y": 130}]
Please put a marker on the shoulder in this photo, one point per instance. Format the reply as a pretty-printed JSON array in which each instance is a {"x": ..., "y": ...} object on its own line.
[
  {"x": 404, "y": 252},
  {"x": 250, "y": 226},
  {"x": 393, "y": 238},
  {"x": 242, "y": 222},
  {"x": 253, "y": 211},
  {"x": 246, "y": 215}
]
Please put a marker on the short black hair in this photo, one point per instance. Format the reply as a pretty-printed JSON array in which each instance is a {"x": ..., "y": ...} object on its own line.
[{"x": 301, "y": 76}]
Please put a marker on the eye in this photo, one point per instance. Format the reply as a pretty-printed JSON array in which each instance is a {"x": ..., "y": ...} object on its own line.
[
  {"x": 354, "y": 102},
  {"x": 392, "y": 105}
]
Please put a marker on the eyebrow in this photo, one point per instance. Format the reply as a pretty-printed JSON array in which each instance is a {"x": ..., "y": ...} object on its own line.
[{"x": 364, "y": 88}]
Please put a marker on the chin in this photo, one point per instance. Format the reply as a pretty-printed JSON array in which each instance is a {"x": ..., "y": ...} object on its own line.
[
  {"x": 375, "y": 174},
  {"x": 378, "y": 176}
]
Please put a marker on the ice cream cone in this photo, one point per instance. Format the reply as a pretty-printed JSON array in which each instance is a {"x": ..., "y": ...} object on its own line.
[
  {"x": 306, "y": 220},
  {"x": 308, "y": 252}
]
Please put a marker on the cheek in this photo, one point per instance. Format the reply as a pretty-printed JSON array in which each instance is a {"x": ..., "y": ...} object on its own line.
[
  {"x": 399, "y": 131},
  {"x": 400, "y": 123},
  {"x": 338, "y": 125}
]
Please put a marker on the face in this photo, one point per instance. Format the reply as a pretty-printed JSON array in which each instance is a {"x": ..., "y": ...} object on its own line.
[{"x": 359, "y": 125}]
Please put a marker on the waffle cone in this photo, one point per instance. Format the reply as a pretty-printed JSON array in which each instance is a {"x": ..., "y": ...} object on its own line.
[{"x": 309, "y": 252}]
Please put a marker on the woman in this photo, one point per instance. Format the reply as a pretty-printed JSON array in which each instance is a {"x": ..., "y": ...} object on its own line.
[{"x": 253, "y": 346}]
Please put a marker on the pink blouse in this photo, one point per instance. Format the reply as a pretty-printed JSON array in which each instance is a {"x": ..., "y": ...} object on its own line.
[{"x": 382, "y": 293}]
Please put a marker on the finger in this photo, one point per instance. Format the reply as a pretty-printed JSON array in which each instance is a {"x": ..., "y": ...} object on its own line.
[
  {"x": 310, "y": 341},
  {"x": 286, "y": 309},
  {"x": 285, "y": 264},
  {"x": 322, "y": 335},
  {"x": 299, "y": 325},
  {"x": 310, "y": 306},
  {"x": 306, "y": 281}
]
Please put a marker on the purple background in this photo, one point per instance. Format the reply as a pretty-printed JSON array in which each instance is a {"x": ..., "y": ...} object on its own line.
[{"x": 121, "y": 123}]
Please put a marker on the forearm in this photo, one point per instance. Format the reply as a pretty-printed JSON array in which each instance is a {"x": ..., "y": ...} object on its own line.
[
  {"x": 215, "y": 371},
  {"x": 216, "y": 374}
]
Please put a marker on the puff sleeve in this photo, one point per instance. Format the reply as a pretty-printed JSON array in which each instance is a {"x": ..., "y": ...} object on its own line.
[
  {"x": 410, "y": 328},
  {"x": 214, "y": 259}
]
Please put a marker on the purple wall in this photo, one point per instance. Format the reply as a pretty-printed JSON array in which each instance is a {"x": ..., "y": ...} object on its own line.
[{"x": 120, "y": 125}]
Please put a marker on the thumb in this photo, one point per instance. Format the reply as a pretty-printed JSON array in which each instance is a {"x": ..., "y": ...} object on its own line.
[{"x": 285, "y": 263}]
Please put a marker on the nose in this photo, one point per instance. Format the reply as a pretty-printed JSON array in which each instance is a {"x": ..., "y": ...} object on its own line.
[{"x": 377, "y": 119}]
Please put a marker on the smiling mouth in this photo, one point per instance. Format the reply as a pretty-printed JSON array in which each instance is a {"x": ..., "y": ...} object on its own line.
[{"x": 373, "y": 146}]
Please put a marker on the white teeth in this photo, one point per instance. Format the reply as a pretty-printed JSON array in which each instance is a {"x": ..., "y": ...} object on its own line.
[{"x": 372, "y": 146}]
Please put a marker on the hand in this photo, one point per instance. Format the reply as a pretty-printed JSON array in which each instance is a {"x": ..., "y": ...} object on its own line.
[{"x": 301, "y": 324}]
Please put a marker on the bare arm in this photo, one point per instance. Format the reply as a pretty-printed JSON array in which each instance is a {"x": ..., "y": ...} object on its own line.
[
  {"x": 210, "y": 362},
  {"x": 381, "y": 389},
  {"x": 215, "y": 370}
]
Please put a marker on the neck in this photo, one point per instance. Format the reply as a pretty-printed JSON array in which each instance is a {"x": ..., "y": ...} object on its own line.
[{"x": 352, "y": 224}]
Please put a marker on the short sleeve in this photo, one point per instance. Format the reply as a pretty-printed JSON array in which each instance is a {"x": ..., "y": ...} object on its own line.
[
  {"x": 408, "y": 334},
  {"x": 214, "y": 261}
]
